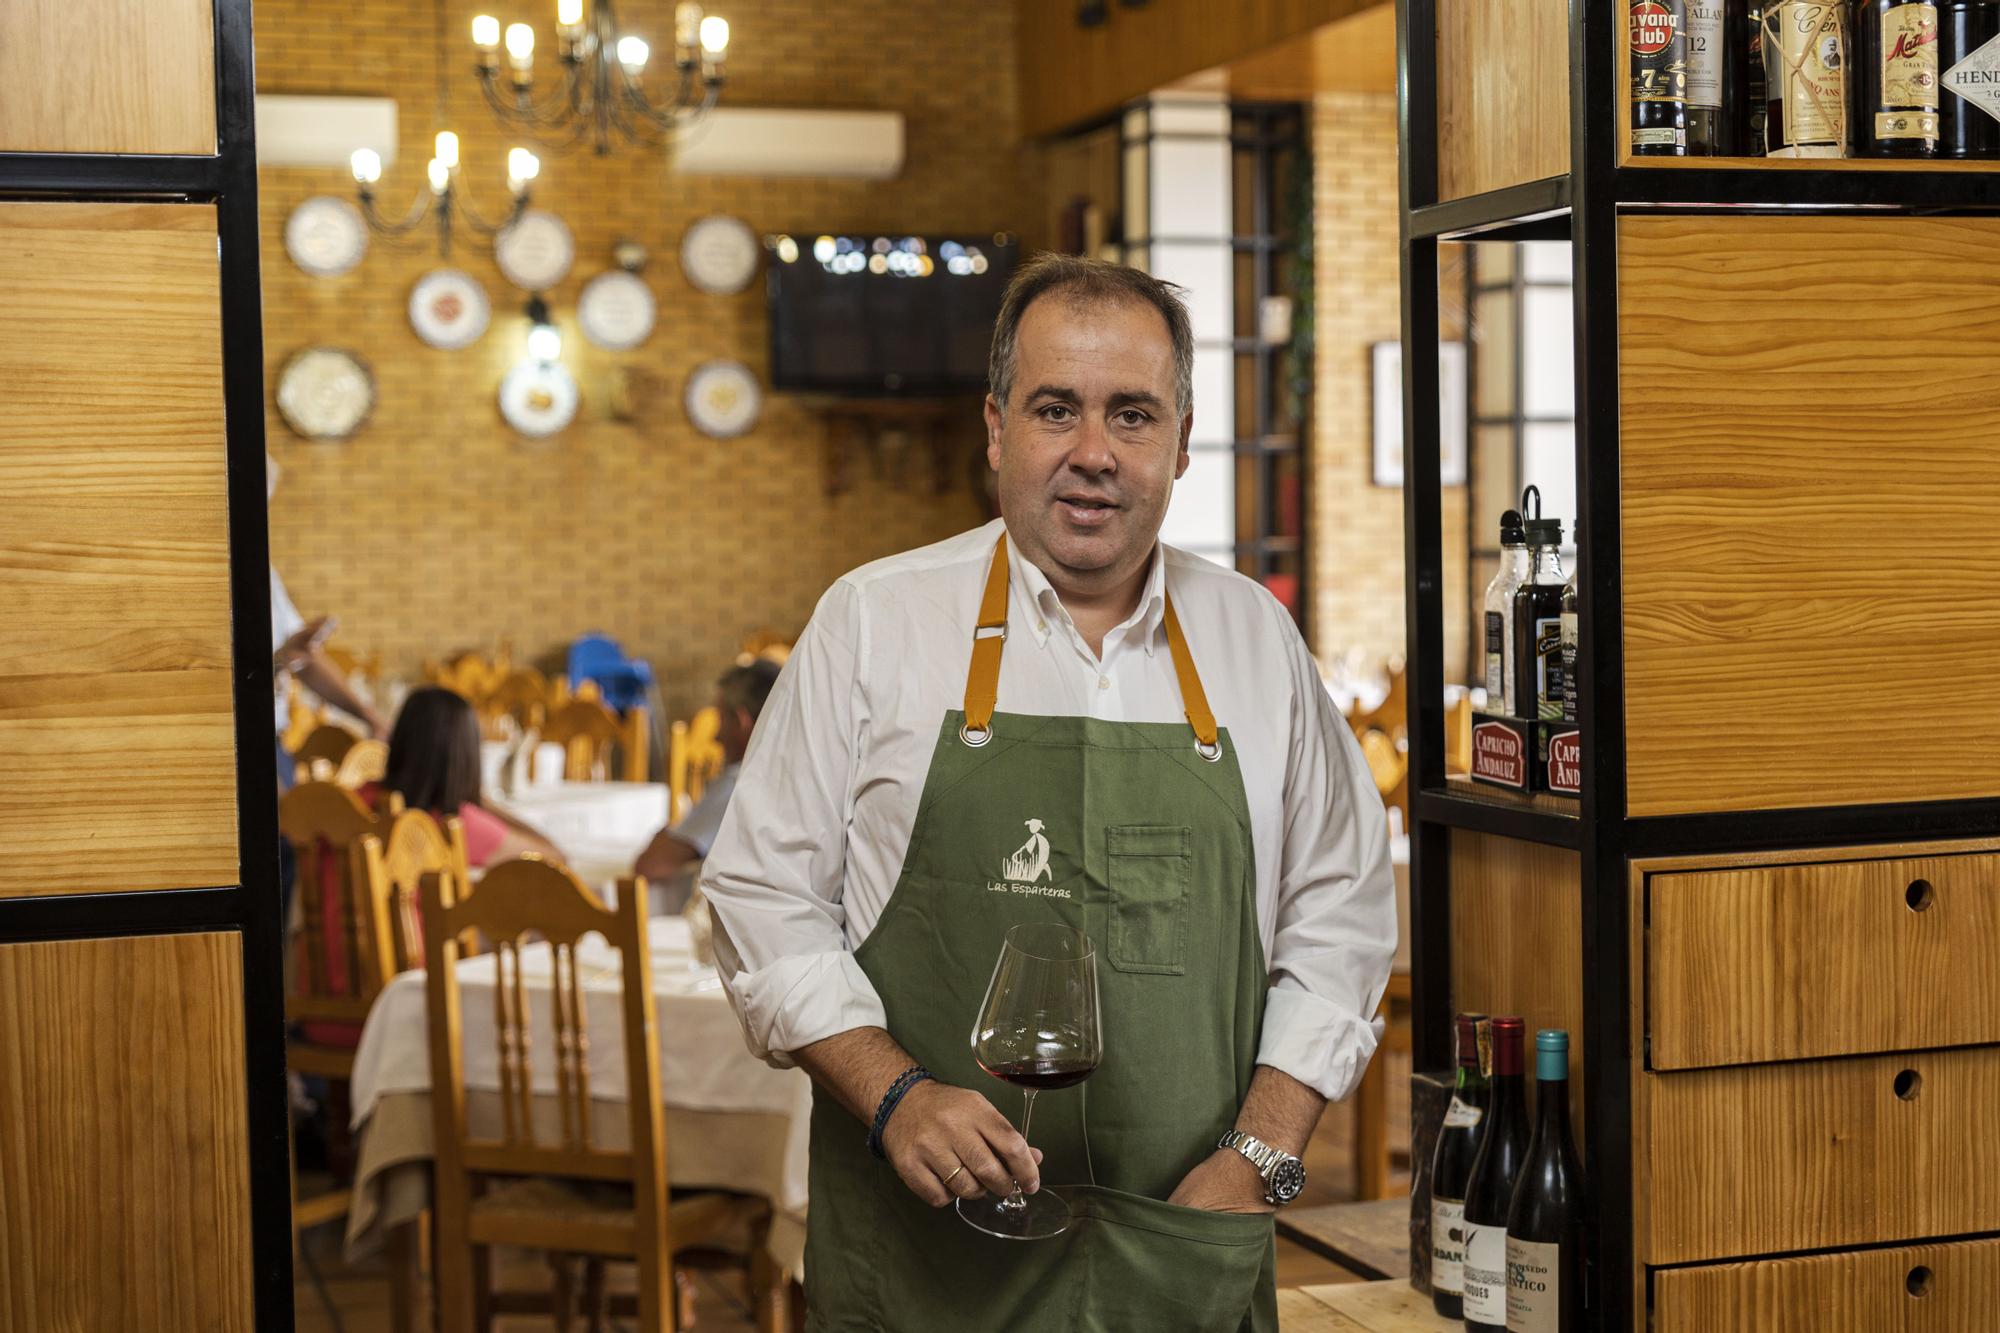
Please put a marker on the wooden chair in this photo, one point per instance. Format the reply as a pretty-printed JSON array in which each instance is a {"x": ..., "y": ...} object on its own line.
[
  {"x": 1458, "y": 736},
  {"x": 522, "y": 695},
  {"x": 588, "y": 732},
  {"x": 764, "y": 646},
  {"x": 347, "y": 952},
  {"x": 329, "y": 741},
  {"x": 1372, "y": 1158},
  {"x": 694, "y": 758},
  {"x": 366, "y": 761},
  {"x": 517, "y": 1189},
  {"x": 1388, "y": 723},
  {"x": 414, "y": 846},
  {"x": 303, "y": 714}
]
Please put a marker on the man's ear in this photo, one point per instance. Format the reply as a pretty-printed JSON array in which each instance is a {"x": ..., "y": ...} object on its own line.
[
  {"x": 993, "y": 419},
  {"x": 1187, "y": 429}
]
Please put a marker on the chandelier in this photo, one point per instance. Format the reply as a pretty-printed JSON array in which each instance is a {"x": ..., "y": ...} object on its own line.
[
  {"x": 601, "y": 93},
  {"x": 446, "y": 201}
]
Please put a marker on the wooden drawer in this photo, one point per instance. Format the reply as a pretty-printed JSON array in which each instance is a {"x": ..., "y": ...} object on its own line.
[
  {"x": 1773, "y": 1159},
  {"x": 1789, "y": 962},
  {"x": 1913, "y": 1289}
]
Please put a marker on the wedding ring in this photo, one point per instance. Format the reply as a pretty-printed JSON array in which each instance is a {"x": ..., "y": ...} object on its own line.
[{"x": 954, "y": 1175}]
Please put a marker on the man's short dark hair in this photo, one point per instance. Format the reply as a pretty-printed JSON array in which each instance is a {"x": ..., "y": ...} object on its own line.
[
  {"x": 1088, "y": 280},
  {"x": 747, "y": 687}
]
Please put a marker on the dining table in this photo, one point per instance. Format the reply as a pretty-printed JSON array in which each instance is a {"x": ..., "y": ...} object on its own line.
[{"x": 732, "y": 1122}]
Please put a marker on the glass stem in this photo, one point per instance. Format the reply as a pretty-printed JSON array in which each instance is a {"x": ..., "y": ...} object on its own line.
[{"x": 1015, "y": 1200}]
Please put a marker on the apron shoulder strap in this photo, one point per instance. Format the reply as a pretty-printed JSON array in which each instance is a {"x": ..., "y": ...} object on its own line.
[{"x": 982, "y": 678}]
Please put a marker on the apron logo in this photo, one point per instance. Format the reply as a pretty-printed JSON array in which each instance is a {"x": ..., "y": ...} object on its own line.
[{"x": 1029, "y": 863}]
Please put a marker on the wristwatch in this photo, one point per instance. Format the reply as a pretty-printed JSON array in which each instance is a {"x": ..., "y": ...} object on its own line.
[{"x": 1284, "y": 1175}]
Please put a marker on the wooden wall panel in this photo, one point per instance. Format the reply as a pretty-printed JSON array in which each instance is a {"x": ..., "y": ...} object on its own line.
[
  {"x": 111, "y": 76},
  {"x": 124, "y": 1188},
  {"x": 1071, "y": 74},
  {"x": 1821, "y": 1154},
  {"x": 1916, "y": 1289},
  {"x": 115, "y": 710},
  {"x": 1503, "y": 93},
  {"x": 1811, "y": 497},
  {"x": 1517, "y": 940},
  {"x": 1797, "y": 962}
]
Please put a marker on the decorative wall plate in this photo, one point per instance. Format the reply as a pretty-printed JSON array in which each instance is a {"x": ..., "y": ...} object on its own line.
[
  {"x": 719, "y": 255},
  {"x": 325, "y": 236},
  {"x": 538, "y": 398},
  {"x": 325, "y": 393},
  {"x": 448, "y": 308},
  {"x": 616, "y": 310},
  {"x": 723, "y": 398},
  {"x": 536, "y": 251}
]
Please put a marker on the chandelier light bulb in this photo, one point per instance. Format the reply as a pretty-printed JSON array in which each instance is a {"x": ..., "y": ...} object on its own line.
[
  {"x": 632, "y": 54},
  {"x": 687, "y": 25},
  {"x": 569, "y": 13},
  {"x": 366, "y": 164},
  {"x": 447, "y": 149},
  {"x": 544, "y": 342},
  {"x": 440, "y": 176},
  {"x": 486, "y": 32},
  {"x": 715, "y": 34},
  {"x": 522, "y": 167},
  {"x": 520, "y": 44}
]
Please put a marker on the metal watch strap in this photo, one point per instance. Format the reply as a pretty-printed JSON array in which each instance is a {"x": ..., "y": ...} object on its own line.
[{"x": 1260, "y": 1154}]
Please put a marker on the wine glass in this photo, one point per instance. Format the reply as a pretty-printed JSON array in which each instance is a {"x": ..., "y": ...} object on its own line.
[{"x": 1037, "y": 1029}]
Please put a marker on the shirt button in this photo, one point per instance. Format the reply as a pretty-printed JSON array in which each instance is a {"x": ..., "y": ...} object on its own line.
[
  {"x": 1104, "y": 682},
  {"x": 1041, "y": 627}
]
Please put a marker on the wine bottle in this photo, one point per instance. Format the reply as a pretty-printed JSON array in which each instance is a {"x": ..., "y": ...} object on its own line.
[
  {"x": 1451, "y": 1167},
  {"x": 1894, "y": 79},
  {"x": 1545, "y": 1219},
  {"x": 1490, "y": 1191}
]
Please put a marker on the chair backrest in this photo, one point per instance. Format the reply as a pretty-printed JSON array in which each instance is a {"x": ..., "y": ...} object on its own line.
[
  {"x": 347, "y": 948},
  {"x": 329, "y": 741},
  {"x": 587, "y": 731},
  {"x": 518, "y": 899},
  {"x": 694, "y": 758},
  {"x": 523, "y": 695},
  {"x": 417, "y": 845},
  {"x": 303, "y": 713},
  {"x": 366, "y": 761}
]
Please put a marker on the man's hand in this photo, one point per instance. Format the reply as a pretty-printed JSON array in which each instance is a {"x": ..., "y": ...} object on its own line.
[
  {"x": 1224, "y": 1182},
  {"x": 297, "y": 650},
  {"x": 937, "y": 1129}
]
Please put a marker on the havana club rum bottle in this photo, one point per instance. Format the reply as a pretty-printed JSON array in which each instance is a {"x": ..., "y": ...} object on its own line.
[
  {"x": 1894, "y": 80},
  {"x": 1805, "y": 68},
  {"x": 1659, "y": 78}
]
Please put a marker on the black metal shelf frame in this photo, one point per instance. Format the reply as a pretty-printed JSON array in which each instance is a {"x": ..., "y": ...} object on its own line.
[{"x": 228, "y": 180}]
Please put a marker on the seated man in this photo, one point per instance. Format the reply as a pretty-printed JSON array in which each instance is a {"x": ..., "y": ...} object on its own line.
[{"x": 739, "y": 697}]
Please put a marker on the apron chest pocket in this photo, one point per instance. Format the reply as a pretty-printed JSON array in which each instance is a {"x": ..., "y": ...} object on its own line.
[{"x": 1150, "y": 866}]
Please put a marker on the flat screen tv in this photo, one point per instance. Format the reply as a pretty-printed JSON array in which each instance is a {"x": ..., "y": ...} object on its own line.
[{"x": 885, "y": 316}]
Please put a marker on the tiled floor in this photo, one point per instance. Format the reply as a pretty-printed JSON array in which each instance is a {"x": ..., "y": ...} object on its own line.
[{"x": 360, "y": 1293}]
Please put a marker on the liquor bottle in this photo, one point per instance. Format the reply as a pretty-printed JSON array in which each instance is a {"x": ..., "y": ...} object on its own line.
[
  {"x": 1712, "y": 57},
  {"x": 1805, "y": 72},
  {"x": 1571, "y": 627},
  {"x": 1538, "y": 683},
  {"x": 1490, "y": 1191},
  {"x": 1545, "y": 1219},
  {"x": 1969, "y": 99},
  {"x": 1659, "y": 78},
  {"x": 1451, "y": 1166},
  {"x": 1749, "y": 84},
  {"x": 1499, "y": 618},
  {"x": 1894, "y": 79}
]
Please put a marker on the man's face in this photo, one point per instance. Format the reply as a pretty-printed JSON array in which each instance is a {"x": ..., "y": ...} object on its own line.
[
  {"x": 1089, "y": 448},
  {"x": 734, "y": 731}
]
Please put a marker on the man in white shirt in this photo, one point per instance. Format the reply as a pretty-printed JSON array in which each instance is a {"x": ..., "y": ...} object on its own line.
[{"x": 1014, "y": 727}]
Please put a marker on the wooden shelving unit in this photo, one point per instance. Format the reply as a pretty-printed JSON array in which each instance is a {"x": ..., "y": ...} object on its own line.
[{"x": 1787, "y": 388}]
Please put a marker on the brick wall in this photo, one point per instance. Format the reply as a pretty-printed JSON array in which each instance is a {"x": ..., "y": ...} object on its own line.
[
  {"x": 1356, "y": 526},
  {"x": 436, "y": 527}
]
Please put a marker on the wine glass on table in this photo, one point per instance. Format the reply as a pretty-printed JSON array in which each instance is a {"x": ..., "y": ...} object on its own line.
[{"x": 1038, "y": 1030}]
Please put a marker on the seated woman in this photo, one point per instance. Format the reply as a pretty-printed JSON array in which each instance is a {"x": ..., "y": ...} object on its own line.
[{"x": 434, "y": 765}]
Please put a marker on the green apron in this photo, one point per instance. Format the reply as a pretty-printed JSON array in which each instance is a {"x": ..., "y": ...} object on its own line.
[{"x": 1143, "y": 841}]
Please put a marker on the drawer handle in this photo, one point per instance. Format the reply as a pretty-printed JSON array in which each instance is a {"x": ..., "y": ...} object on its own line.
[
  {"x": 1920, "y": 895},
  {"x": 1918, "y": 1283},
  {"x": 1907, "y": 1085}
]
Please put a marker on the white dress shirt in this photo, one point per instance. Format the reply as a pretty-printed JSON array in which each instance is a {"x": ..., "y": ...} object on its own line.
[{"x": 812, "y": 844}]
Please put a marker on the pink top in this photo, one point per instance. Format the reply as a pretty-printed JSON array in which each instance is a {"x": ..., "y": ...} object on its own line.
[{"x": 484, "y": 832}]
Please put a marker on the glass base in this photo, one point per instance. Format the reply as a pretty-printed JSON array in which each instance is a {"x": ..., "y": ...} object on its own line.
[{"x": 1036, "y": 1217}]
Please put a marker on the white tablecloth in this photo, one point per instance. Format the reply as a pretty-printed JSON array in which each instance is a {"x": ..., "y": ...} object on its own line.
[
  {"x": 601, "y": 827},
  {"x": 704, "y": 1064}
]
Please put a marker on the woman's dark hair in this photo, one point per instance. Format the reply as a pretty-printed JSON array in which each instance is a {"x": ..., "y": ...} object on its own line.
[{"x": 434, "y": 752}]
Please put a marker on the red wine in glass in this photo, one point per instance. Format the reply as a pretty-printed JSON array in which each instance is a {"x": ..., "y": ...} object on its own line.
[{"x": 1037, "y": 1029}]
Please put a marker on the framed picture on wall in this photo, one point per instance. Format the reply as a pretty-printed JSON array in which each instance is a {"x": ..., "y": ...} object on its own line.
[{"x": 1388, "y": 468}]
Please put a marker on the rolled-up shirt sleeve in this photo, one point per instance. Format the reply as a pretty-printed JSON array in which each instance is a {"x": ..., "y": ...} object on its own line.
[
  {"x": 773, "y": 879},
  {"x": 1336, "y": 920}
]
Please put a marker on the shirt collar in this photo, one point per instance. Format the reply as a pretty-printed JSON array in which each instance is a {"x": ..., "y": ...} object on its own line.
[{"x": 1030, "y": 589}]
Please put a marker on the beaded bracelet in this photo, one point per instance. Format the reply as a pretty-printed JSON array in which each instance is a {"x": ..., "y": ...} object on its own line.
[{"x": 906, "y": 1080}]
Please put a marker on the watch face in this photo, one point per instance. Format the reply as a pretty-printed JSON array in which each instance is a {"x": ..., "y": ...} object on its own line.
[{"x": 1287, "y": 1179}]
